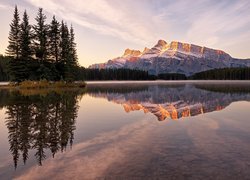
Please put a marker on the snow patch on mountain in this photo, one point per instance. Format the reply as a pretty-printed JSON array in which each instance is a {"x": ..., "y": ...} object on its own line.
[{"x": 175, "y": 57}]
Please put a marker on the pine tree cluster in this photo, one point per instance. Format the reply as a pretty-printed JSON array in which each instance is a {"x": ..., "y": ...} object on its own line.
[{"x": 41, "y": 51}]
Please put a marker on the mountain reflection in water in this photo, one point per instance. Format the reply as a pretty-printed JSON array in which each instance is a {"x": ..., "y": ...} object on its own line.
[{"x": 173, "y": 101}]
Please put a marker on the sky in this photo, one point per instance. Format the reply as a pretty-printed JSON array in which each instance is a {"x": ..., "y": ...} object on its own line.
[{"x": 105, "y": 28}]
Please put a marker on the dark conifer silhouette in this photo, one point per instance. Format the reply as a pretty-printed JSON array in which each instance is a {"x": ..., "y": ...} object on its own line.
[
  {"x": 41, "y": 36},
  {"x": 72, "y": 48},
  {"x": 54, "y": 40},
  {"x": 13, "y": 48},
  {"x": 26, "y": 38},
  {"x": 17, "y": 68}
]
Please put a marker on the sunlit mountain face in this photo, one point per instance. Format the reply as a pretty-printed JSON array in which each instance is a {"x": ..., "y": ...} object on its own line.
[
  {"x": 173, "y": 57},
  {"x": 173, "y": 101}
]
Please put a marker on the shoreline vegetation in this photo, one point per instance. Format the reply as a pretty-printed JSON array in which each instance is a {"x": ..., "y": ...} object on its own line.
[
  {"x": 44, "y": 87},
  {"x": 43, "y": 84}
]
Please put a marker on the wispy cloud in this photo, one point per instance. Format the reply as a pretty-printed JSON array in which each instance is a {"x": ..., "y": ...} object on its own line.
[
  {"x": 217, "y": 25},
  {"x": 207, "y": 22},
  {"x": 101, "y": 16},
  {"x": 5, "y": 7},
  {"x": 91, "y": 159}
]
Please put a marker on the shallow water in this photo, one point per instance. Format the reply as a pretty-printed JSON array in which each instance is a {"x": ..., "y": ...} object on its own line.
[{"x": 178, "y": 130}]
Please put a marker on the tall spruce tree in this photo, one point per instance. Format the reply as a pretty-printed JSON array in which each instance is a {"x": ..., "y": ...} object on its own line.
[
  {"x": 17, "y": 67},
  {"x": 26, "y": 37},
  {"x": 54, "y": 40},
  {"x": 41, "y": 36},
  {"x": 65, "y": 53},
  {"x": 64, "y": 44},
  {"x": 72, "y": 47},
  {"x": 13, "y": 48}
]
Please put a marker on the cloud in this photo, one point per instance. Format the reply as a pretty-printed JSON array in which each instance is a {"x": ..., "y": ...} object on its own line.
[
  {"x": 101, "y": 16},
  {"x": 5, "y": 7},
  {"x": 217, "y": 25},
  {"x": 91, "y": 159},
  {"x": 206, "y": 22}
]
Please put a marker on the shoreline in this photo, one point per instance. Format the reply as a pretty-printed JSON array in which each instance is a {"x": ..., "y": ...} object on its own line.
[
  {"x": 42, "y": 85},
  {"x": 5, "y": 85},
  {"x": 167, "y": 82}
]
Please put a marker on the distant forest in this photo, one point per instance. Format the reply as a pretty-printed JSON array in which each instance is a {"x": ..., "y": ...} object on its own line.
[
  {"x": 48, "y": 52},
  {"x": 129, "y": 74},
  {"x": 81, "y": 73},
  {"x": 224, "y": 74}
]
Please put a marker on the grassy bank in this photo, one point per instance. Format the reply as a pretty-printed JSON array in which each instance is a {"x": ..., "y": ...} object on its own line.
[{"x": 44, "y": 84}]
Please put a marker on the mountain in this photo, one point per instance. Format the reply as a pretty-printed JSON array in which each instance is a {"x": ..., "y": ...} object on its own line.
[{"x": 175, "y": 57}]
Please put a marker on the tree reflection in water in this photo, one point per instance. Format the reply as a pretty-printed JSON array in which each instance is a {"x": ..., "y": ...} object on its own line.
[
  {"x": 40, "y": 122},
  {"x": 45, "y": 121}
]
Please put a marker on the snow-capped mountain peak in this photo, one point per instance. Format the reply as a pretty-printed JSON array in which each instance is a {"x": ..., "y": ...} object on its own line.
[
  {"x": 174, "y": 57},
  {"x": 129, "y": 52}
]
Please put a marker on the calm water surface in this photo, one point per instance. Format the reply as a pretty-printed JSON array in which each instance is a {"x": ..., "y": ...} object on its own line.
[{"x": 150, "y": 130}]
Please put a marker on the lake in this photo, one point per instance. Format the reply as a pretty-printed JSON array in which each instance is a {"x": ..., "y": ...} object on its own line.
[{"x": 127, "y": 130}]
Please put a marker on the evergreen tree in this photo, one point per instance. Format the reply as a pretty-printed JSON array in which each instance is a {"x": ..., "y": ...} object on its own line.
[
  {"x": 13, "y": 48},
  {"x": 64, "y": 44},
  {"x": 40, "y": 36},
  {"x": 54, "y": 40},
  {"x": 26, "y": 37},
  {"x": 18, "y": 70},
  {"x": 47, "y": 42},
  {"x": 65, "y": 55},
  {"x": 4, "y": 71},
  {"x": 72, "y": 47},
  {"x": 19, "y": 47}
]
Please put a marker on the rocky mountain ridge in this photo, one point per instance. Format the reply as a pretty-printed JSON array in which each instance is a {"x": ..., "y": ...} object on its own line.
[{"x": 175, "y": 57}]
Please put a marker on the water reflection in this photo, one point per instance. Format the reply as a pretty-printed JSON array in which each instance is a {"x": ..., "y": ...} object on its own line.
[
  {"x": 173, "y": 100},
  {"x": 39, "y": 122},
  {"x": 44, "y": 123}
]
